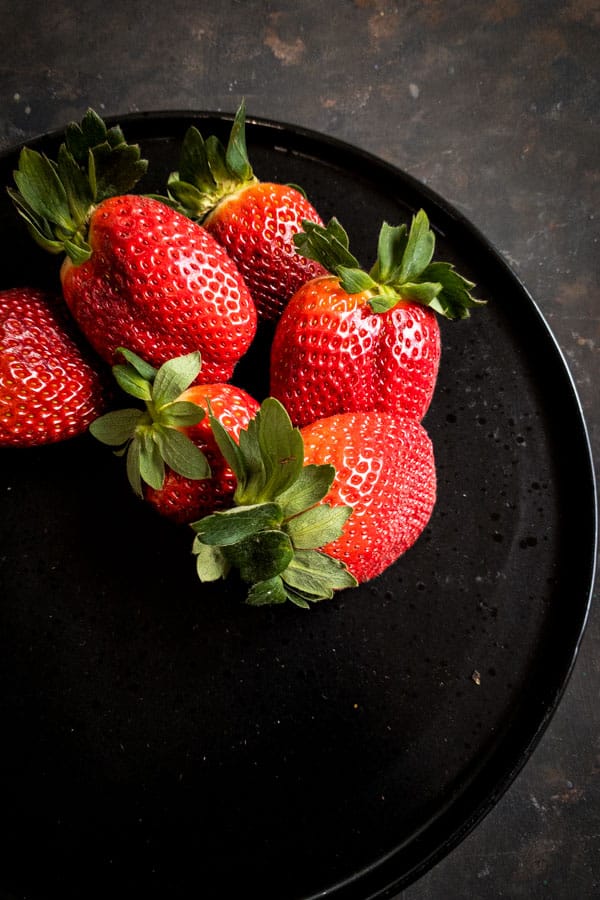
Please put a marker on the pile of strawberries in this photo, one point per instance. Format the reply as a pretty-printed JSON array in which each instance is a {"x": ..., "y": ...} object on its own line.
[{"x": 327, "y": 481}]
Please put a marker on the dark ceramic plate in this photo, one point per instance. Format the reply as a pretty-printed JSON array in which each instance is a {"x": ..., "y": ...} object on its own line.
[{"x": 161, "y": 739}]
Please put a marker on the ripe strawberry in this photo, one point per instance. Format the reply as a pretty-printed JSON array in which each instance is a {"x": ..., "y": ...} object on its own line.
[
  {"x": 182, "y": 499},
  {"x": 255, "y": 221},
  {"x": 137, "y": 273},
  {"x": 50, "y": 388},
  {"x": 385, "y": 470},
  {"x": 173, "y": 461},
  {"x": 353, "y": 341}
]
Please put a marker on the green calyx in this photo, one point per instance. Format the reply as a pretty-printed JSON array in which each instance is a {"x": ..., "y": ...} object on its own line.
[
  {"x": 151, "y": 438},
  {"x": 404, "y": 269},
  {"x": 274, "y": 533},
  {"x": 209, "y": 171},
  {"x": 57, "y": 197}
]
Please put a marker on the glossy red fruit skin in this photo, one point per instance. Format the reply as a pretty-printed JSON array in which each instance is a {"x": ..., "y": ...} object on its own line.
[
  {"x": 385, "y": 470},
  {"x": 332, "y": 354},
  {"x": 51, "y": 387},
  {"x": 160, "y": 285},
  {"x": 184, "y": 500},
  {"x": 256, "y": 226}
]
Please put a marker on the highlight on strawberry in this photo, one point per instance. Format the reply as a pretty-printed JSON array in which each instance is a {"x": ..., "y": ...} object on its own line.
[
  {"x": 136, "y": 273},
  {"x": 254, "y": 220},
  {"x": 51, "y": 386},
  {"x": 172, "y": 458},
  {"x": 275, "y": 532},
  {"x": 359, "y": 341}
]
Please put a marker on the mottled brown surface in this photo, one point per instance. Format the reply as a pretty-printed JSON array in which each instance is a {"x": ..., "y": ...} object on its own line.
[{"x": 494, "y": 104}]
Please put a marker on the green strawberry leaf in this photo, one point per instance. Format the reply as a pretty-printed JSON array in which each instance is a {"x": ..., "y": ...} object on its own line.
[
  {"x": 134, "y": 467},
  {"x": 299, "y": 599},
  {"x": 208, "y": 171},
  {"x": 328, "y": 245},
  {"x": 222, "y": 529},
  {"x": 311, "y": 486},
  {"x": 155, "y": 435},
  {"x": 180, "y": 453},
  {"x": 252, "y": 473},
  {"x": 56, "y": 198},
  {"x": 76, "y": 186},
  {"x": 189, "y": 197},
  {"x": 454, "y": 299},
  {"x": 424, "y": 294},
  {"x": 403, "y": 269},
  {"x": 174, "y": 377},
  {"x": 355, "y": 281},
  {"x": 276, "y": 526},
  {"x": 281, "y": 446},
  {"x": 116, "y": 169},
  {"x": 211, "y": 564},
  {"x": 390, "y": 249},
  {"x": 79, "y": 139},
  {"x": 152, "y": 466},
  {"x": 236, "y": 156},
  {"x": 41, "y": 188},
  {"x": 317, "y": 526},
  {"x": 130, "y": 381},
  {"x": 260, "y": 556},
  {"x": 270, "y": 455},
  {"x": 418, "y": 251},
  {"x": 117, "y": 427},
  {"x": 114, "y": 136},
  {"x": 217, "y": 163},
  {"x": 316, "y": 573},
  {"x": 77, "y": 253},
  {"x": 181, "y": 414},
  {"x": 267, "y": 592},
  {"x": 230, "y": 450},
  {"x": 140, "y": 365},
  {"x": 194, "y": 170}
]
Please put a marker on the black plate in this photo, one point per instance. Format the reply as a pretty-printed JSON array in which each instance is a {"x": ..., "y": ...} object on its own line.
[{"x": 160, "y": 739}]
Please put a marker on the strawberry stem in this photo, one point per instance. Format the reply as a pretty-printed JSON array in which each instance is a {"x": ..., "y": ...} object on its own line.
[
  {"x": 154, "y": 437},
  {"x": 274, "y": 533},
  {"x": 208, "y": 171},
  {"x": 403, "y": 269},
  {"x": 57, "y": 198}
]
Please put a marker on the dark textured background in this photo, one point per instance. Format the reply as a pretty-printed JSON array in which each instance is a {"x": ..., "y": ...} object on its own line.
[{"x": 494, "y": 104}]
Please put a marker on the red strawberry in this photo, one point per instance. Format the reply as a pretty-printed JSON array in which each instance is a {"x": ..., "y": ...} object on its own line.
[
  {"x": 50, "y": 388},
  {"x": 182, "y": 499},
  {"x": 354, "y": 341},
  {"x": 385, "y": 470},
  {"x": 137, "y": 273},
  {"x": 172, "y": 458},
  {"x": 255, "y": 221}
]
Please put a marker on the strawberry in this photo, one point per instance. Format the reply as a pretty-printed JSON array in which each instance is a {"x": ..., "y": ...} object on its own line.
[
  {"x": 385, "y": 470},
  {"x": 172, "y": 459},
  {"x": 182, "y": 499},
  {"x": 274, "y": 532},
  {"x": 356, "y": 341},
  {"x": 137, "y": 273},
  {"x": 255, "y": 221},
  {"x": 50, "y": 387}
]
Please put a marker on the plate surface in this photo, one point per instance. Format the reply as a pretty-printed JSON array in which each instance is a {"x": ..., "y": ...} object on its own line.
[{"x": 161, "y": 739}]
